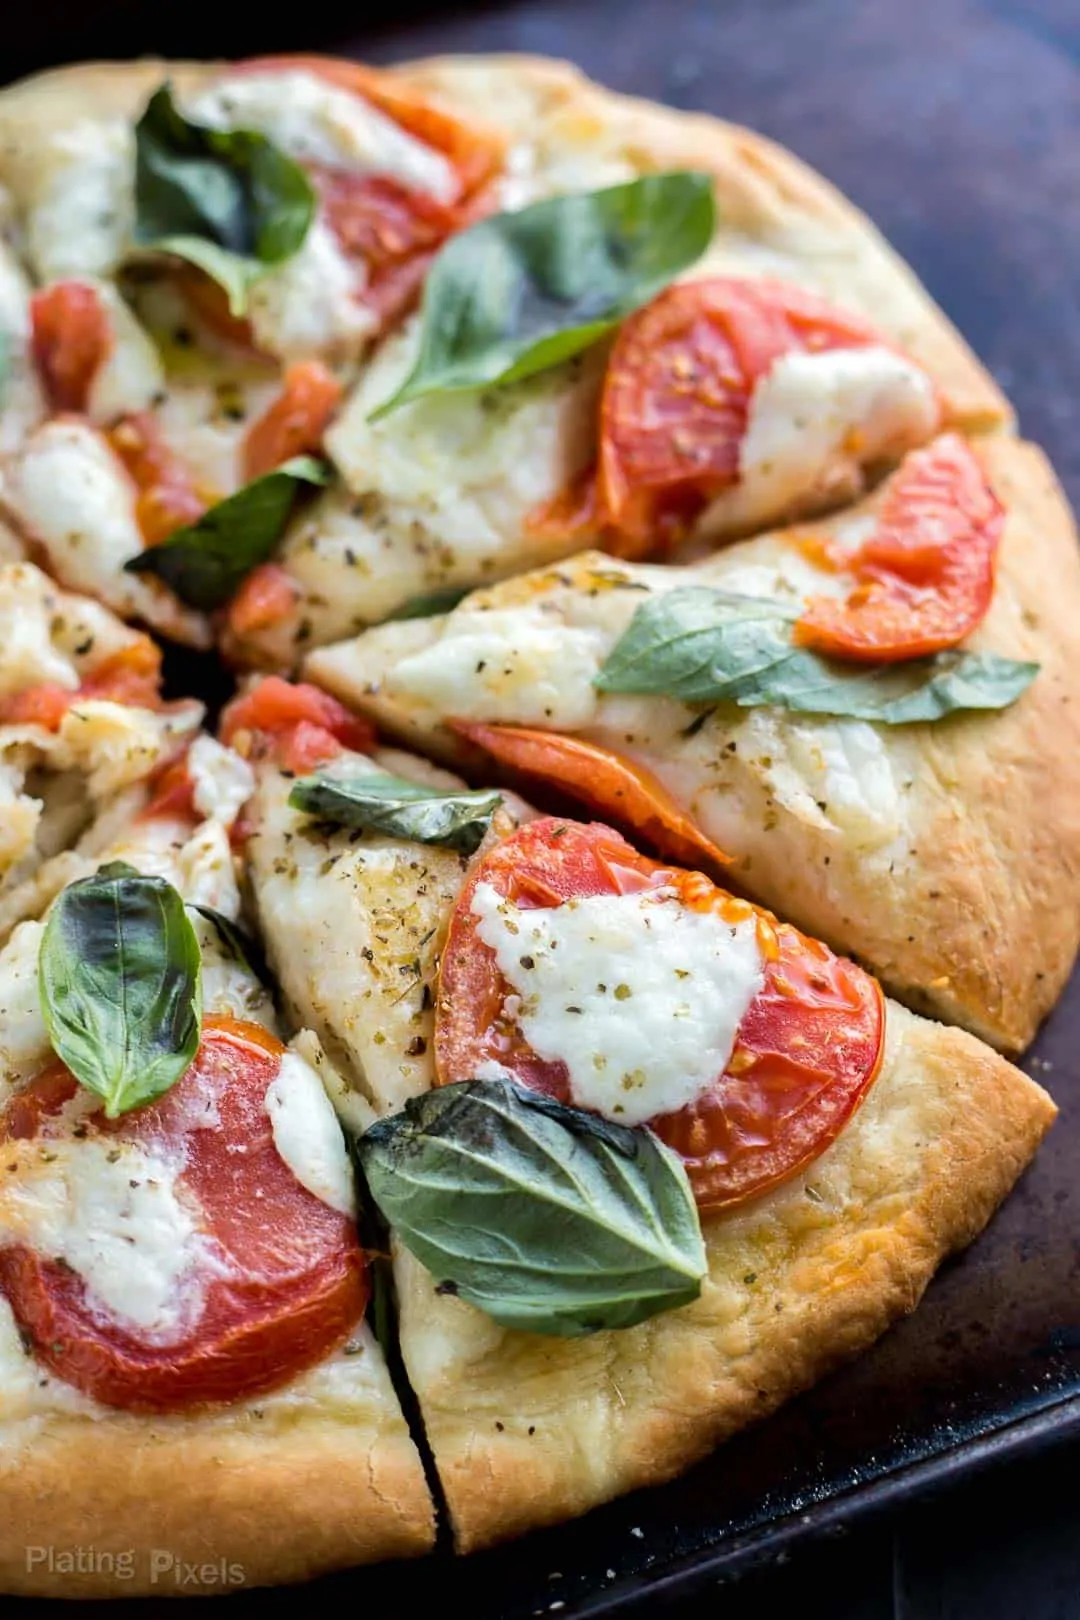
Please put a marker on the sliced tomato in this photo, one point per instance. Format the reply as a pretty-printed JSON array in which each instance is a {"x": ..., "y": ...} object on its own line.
[
  {"x": 131, "y": 675},
  {"x": 267, "y": 596},
  {"x": 172, "y": 794},
  {"x": 71, "y": 336},
  {"x": 676, "y": 403},
  {"x": 925, "y": 576},
  {"x": 807, "y": 1050},
  {"x": 286, "y": 1277},
  {"x": 604, "y": 782},
  {"x": 294, "y": 424},
  {"x": 299, "y": 724},
  {"x": 474, "y": 153},
  {"x": 168, "y": 494}
]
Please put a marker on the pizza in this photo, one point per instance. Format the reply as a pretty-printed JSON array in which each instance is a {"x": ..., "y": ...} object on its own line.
[{"x": 562, "y": 1005}]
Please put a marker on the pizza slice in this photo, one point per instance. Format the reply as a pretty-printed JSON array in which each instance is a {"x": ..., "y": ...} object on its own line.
[
  {"x": 782, "y": 349},
  {"x": 184, "y": 1358},
  {"x": 654, "y": 1160},
  {"x": 83, "y": 729},
  {"x": 918, "y": 812}
]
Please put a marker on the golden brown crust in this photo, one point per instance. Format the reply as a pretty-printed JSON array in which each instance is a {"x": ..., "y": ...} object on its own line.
[
  {"x": 284, "y": 1494},
  {"x": 807, "y": 230},
  {"x": 528, "y": 1431}
]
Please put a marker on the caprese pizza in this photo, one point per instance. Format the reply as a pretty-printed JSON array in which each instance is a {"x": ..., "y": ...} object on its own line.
[{"x": 576, "y": 444}]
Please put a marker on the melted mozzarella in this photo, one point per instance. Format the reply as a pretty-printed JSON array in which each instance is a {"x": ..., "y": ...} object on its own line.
[
  {"x": 24, "y": 1041},
  {"x": 639, "y": 996},
  {"x": 131, "y": 377},
  {"x": 72, "y": 496},
  {"x": 21, "y": 402},
  {"x": 83, "y": 216},
  {"x": 307, "y": 1134},
  {"x": 318, "y": 122},
  {"x": 112, "y": 1211},
  {"x": 311, "y": 303},
  {"x": 223, "y": 781},
  {"x": 28, "y": 655},
  {"x": 815, "y": 420},
  {"x": 506, "y": 665}
]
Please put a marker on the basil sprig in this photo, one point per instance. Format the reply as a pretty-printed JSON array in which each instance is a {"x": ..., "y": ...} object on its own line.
[
  {"x": 712, "y": 646},
  {"x": 519, "y": 292},
  {"x": 206, "y": 561},
  {"x": 119, "y": 980},
  {"x": 399, "y": 809},
  {"x": 547, "y": 1218},
  {"x": 227, "y": 200}
]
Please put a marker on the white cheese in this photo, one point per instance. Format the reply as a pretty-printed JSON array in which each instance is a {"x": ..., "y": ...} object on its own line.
[
  {"x": 112, "y": 1210},
  {"x": 509, "y": 664},
  {"x": 223, "y": 781},
  {"x": 28, "y": 604},
  {"x": 815, "y": 420},
  {"x": 21, "y": 402},
  {"x": 24, "y": 1042},
  {"x": 83, "y": 216},
  {"x": 307, "y": 1134},
  {"x": 312, "y": 302},
  {"x": 639, "y": 996},
  {"x": 73, "y": 496},
  {"x": 131, "y": 376},
  {"x": 318, "y": 122}
]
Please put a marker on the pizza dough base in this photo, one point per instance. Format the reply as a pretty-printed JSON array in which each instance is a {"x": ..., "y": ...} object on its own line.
[{"x": 527, "y": 1431}]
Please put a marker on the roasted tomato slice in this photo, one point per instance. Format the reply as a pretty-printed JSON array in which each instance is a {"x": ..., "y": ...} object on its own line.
[
  {"x": 294, "y": 424},
  {"x": 168, "y": 496},
  {"x": 276, "y": 1279},
  {"x": 132, "y": 676},
  {"x": 71, "y": 337},
  {"x": 805, "y": 1053},
  {"x": 301, "y": 725},
  {"x": 676, "y": 398},
  {"x": 605, "y": 782},
  {"x": 925, "y": 576}
]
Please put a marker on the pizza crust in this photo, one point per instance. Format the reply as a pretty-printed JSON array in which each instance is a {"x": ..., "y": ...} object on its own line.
[
  {"x": 318, "y": 1477},
  {"x": 808, "y": 232},
  {"x": 527, "y": 1431}
]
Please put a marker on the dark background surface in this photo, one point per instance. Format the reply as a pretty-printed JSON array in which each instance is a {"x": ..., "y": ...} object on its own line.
[{"x": 956, "y": 124}]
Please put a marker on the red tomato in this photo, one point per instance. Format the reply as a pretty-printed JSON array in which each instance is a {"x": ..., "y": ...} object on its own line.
[
  {"x": 605, "y": 782},
  {"x": 926, "y": 574},
  {"x": 168, "y": 496},
  {"x": 71, "y": 339},
  {"x": 806, "y": 1052},
  {"x": 300, "y": 724},
  {"x": 172, "y": 794},
  {"x": 296, "y": 421},
  {"x": 132, "y": 675},
  {"x": 267, "y": 596},
  {"x": 288, "y": 1279},
  {"x": 676, "y": 402}
]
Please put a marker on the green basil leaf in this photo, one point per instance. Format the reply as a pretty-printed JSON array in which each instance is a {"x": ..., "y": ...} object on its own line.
[
  {"x": 240, "y": 946},
  {"x": 206, "y": 561},
  {"x": 430, "y": 603},
  {"x": 713, "y": 646},
  {"x": 399, "y": 809},
  {"x": 119, "y": 979},
  {"x": 547, "y": 1218},
  {"x": 519, "y": 292},
  {"x": 227, "y": 200}
]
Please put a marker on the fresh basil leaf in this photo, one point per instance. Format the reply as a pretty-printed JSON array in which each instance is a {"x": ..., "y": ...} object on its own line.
[
  {"x": 206, "y": 561},
  {"x": 710, "y": 646},
  {"x": 119, "y": 979},
  {"x": 519, "y": 292},
  {"x": 228, "y": 200},
  {"x": 430, "y": 603},
  {"x": 243, "y": 948},
  {"x": 399, "y": 809},
  {"x": 545, "y": 1217}
]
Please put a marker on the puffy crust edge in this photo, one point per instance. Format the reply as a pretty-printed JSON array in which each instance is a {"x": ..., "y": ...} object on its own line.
[
  {"x": 794, "y": 1289},
  {"x": 317, "y": 1495},
  {"x": 759, "y": 183}
]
